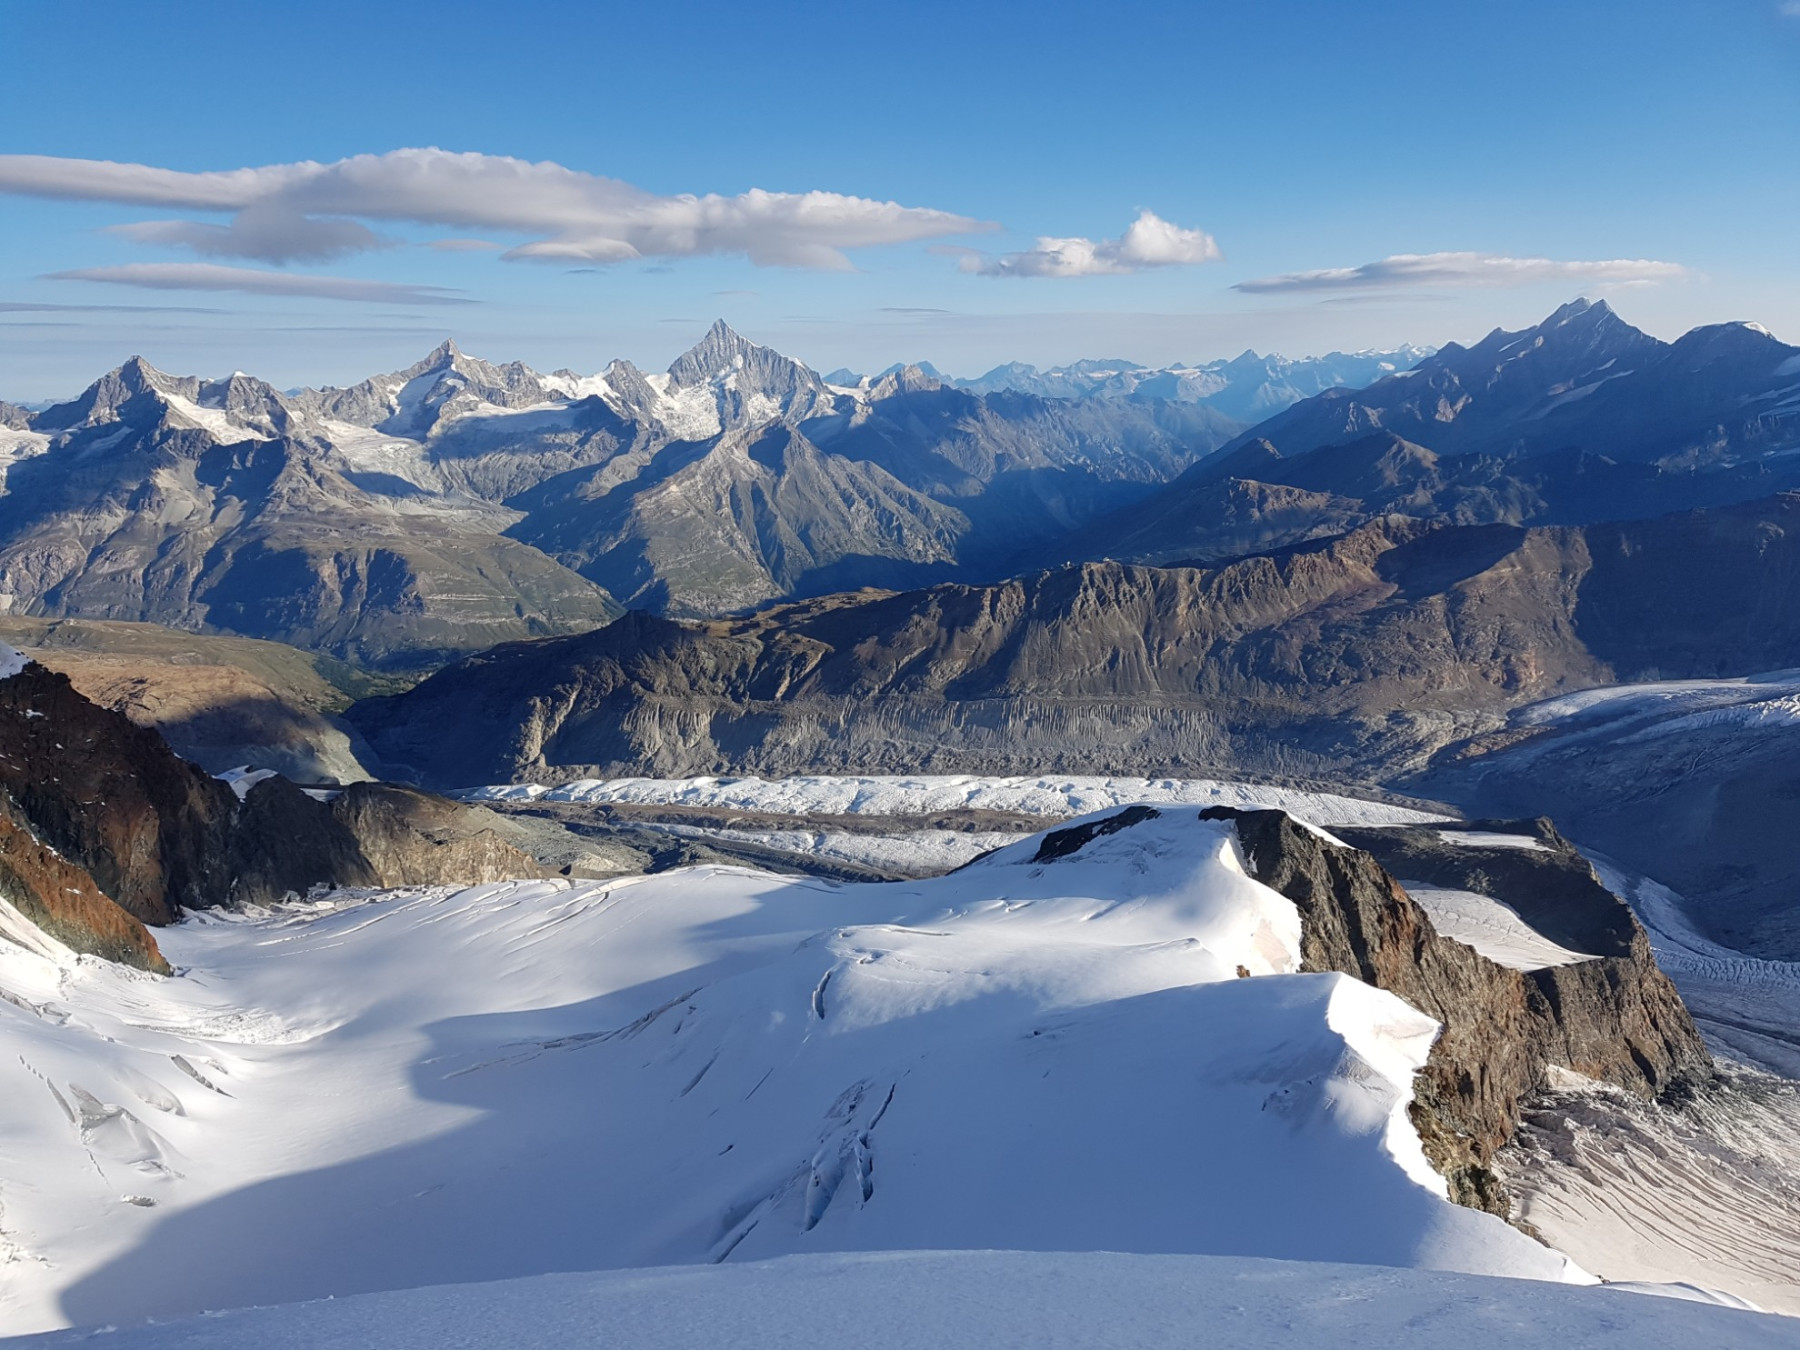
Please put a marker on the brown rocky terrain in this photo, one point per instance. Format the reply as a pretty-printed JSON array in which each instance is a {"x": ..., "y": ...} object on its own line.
[
  {"x": 61, "y": 900},
  {"x": 219, "y": 701},
  {"x": 1614, "y": 1018},
  {"x": 104, "y": 830},
  {"x": 1351, "y": 657}
]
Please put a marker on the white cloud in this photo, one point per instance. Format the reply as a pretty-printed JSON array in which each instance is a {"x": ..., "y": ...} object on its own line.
[
  {"x": 1149, "y": 241},
  {"x": 268, "y": 233},
  {"x": 1791, "y": 9},
  {"x": 286, "y": 212},
  {"x": 1464, "y": 269},
  {"x": 213, "y": 277}
]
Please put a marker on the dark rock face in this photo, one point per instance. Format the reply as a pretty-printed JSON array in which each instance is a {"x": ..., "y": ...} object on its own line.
[
  {"x": 113, "y": 799},
  {"x": 104, "y": 830},
  {"x": 283, "y": 842},
  {"x": 1615, "y": 1018},
  {"x": 62, "y": 900},
  {"x": 1061, "y": 843}
]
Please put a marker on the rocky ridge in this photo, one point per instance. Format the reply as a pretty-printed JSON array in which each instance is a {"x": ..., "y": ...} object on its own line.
[
  {"x": 103, "y": 830},
  {"x": 1579, "y": 420},
  {"x": 1359, "y": 655},
  {"x": 1612, "y": 1018}
]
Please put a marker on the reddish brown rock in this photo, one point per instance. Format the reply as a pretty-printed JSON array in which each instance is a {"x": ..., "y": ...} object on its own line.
[{"x": 1615, "y": 1018}]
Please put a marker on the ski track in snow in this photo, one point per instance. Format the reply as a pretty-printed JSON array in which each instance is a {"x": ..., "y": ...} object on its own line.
[{"x": 377, "y": 1091}]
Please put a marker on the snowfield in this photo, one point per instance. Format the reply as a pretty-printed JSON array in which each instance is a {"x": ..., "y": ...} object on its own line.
[
  {"x": 376, "y": 1092},
  {"x": 979, "y": 1301},
  {"x": 1492, "y": 928}
]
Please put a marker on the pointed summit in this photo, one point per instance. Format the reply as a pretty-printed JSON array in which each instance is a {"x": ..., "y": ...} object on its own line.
[
  {"x": 748, "y": 383},
  {"x": 721, "y": 350},
  {"x": 1576, "y": 309},
  {"x": 445, "y": 356},
  {"x": 102, "y": 400}
]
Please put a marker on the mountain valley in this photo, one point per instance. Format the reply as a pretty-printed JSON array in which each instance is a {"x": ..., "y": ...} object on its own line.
[{"x": 1099, "y": 820}]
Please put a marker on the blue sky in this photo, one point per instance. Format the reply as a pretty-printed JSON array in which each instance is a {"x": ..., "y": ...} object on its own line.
[{"x": 1646, "y": 151}]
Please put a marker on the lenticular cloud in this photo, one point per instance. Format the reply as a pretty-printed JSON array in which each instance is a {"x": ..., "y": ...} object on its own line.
[{"x": 309, "y": 211}]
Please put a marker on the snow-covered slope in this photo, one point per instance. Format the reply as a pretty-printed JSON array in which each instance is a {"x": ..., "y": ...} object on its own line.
[
  {"x": 976, "y": 1301},
  {"x": 367, "y": 1093},
  {"x": 1691, "y": 782}
]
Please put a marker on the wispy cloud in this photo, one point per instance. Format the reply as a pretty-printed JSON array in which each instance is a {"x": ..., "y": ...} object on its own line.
[
  {"x": 464, "y": 245},
  {"x": 1149, "y": 241},
  {"x": 264, "y": 233},
  {"x": 309, "y": 211},
  {"x": 1790, "y": 9},
  {"x": 22, "y": 307},
  {"x": 1464, "y": 269},
  {"x": 213, "y": 277}
]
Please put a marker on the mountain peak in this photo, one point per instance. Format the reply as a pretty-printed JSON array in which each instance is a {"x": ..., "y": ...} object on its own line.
[
  {"x": 722, "y": 349},
  {"x": 1577, "y": 308}
]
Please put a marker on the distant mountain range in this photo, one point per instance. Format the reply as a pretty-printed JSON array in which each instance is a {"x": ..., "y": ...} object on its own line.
[
  {"x": 457, "y": 504},
  {"x": 1580, "y": 419},
  {"x": 1247, "y": 388}
]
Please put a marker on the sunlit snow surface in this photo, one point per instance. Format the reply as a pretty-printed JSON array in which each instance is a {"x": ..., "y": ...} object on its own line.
[
  {"x": 980, "y": 1301},
  {"x": 1490, "y": 926},
  {"x": 712, "y": 1064},
  {"x": 1669, "y": 706}
]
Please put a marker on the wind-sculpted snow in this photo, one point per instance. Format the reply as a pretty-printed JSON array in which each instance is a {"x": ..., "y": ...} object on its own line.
[
  {"x": 979, "y": 1300},
  {"x": 925, "y": 794},
  {"x": 1050, "y": 1049}
]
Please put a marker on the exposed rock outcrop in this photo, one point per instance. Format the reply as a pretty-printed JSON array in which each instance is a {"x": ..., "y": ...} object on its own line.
[
  {"x": 110, "y": 797},
  {"x": 104, "y": 830},
  {"x": 1614, "y": 1018},
  {"x": 412, "y": 838},
  {"x": 62, "y": 900}
]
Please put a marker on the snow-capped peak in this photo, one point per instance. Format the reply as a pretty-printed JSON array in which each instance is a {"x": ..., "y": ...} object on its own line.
[{"x": 744, "y": 383}]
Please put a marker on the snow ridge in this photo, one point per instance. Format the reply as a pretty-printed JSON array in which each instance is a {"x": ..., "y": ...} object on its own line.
[{"x": 1054, "y": 1048}]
